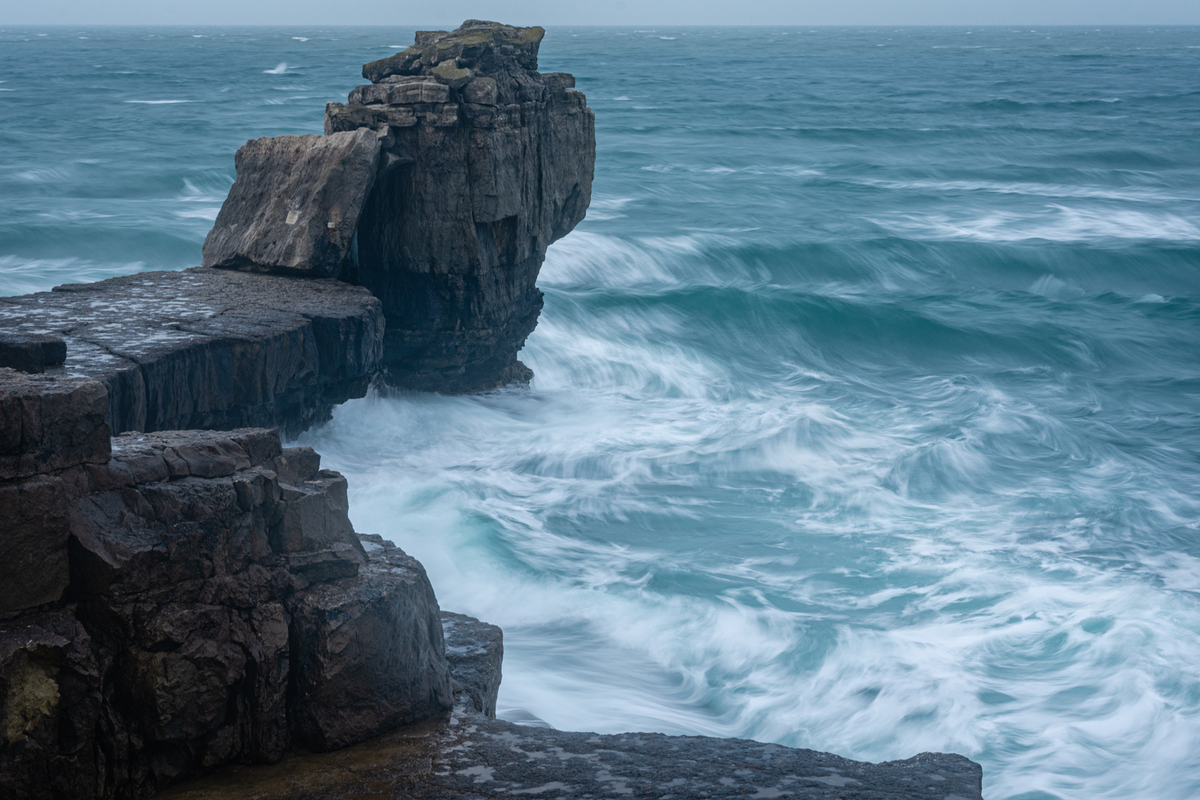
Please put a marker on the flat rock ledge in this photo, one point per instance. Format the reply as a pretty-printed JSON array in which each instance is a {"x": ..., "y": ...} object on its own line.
[
  {"x": 466, "y": 755},
  {"x": 202, "y": 348}
]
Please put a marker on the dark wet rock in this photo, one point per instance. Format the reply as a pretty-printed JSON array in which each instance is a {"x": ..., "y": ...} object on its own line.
[
  {"x": 369, "y": 653},
  {"x": 219, "y": 608},
  {"x": 295, "y": 204},
  {"x": 33, "y": 543},
  {"x": 469, "y": 756},
  {"x": 208, "y": 348},
  {"x": 475, "y": 652},
  {"x": 472, "y": 190},
  {"x": 49, "y": 423},
  {"x": 481, "y": 91},
  {"x": 49, "y": 708},
  {"x": 31, "y": 352}
]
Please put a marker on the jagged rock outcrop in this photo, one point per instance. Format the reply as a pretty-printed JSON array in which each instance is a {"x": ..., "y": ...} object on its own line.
[
  {"x": 206, "y": 348},
  {"x": 47, "y": 425},
  {"x": 201, "y": 598},
  {"x": 482, "y": 162}
]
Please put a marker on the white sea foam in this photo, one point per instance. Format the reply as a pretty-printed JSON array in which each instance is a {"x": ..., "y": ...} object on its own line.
[
  {"x": 1057, "y": 223},
  {"x": 1135, "y": 194},
  {"x": 280, "y": 69},
  {"x": 157, "y": 102}
]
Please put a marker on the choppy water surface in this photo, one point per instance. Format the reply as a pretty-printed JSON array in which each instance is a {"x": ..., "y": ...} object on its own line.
[{"x": 867, "y": 409}]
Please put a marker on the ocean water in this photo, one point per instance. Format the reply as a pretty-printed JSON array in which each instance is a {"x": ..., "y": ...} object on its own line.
[{"x": 867, "y": 408}]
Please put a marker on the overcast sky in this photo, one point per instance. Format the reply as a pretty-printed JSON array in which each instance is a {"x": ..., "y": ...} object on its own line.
[{"x": 602, "y": 12}]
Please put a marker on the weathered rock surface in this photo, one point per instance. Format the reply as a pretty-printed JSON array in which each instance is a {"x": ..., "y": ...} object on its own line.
[
  {"x": 218, "y": 608},
  {"x": 206, "y": 348},
  {"x": 468, "y": 757},
  {"x": 49, "y": 423},
  {"x": 295, "y": 203},
  {"x": 475, "y": 652},
  {"x": 473, "y": 189},
  {"x": 482, "y": 162},
  {"x": 31, "y": 352}
]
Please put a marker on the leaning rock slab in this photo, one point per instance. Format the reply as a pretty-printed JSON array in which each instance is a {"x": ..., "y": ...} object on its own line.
[
  {"x": 475, "y": 652},
  {"x": 469, "y": 757},
  {"x": 295, "y": 204}
]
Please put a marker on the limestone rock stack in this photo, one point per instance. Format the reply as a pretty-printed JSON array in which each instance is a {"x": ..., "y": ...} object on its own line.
[{"x": 438, "y": 187}]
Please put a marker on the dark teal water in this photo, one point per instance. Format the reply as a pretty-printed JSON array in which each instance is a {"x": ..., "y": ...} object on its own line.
[{"x": 867, "y": 409}]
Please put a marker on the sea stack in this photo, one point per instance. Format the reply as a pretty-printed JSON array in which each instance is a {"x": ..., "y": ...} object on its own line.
[{"x": 438, "y": 187}]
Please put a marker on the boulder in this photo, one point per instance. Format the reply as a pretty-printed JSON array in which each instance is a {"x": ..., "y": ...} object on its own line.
[
  {"x": 295, "y": 204},
  {"x": 449, "y": 73},
  {"x": 369, "y": 653}
]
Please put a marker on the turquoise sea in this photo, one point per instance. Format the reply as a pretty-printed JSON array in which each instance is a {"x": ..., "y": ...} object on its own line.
[{"x": 867, "y": 408}]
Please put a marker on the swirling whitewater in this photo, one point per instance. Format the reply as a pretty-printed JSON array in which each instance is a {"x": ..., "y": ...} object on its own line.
[{"x": 867, "y": 408}]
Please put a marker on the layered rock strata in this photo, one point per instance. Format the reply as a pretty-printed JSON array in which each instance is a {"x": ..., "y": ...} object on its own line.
[
  {"x": 471, "y": 163},
  {"x": 202, "y": 348},
  {"x": 467, "y": 755},
  {"x": 197, "y": 599}
]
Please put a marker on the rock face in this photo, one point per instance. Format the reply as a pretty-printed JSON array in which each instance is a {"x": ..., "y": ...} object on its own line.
[
  {"x": 482, "y": 162},
  {"x": 354, "y": 673},
  {"x": 47, "y": 425},
  {"x": 200, "y": 599},
  {"x": 206, "y": 348},
  {"x": 475, "y": 652}
]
